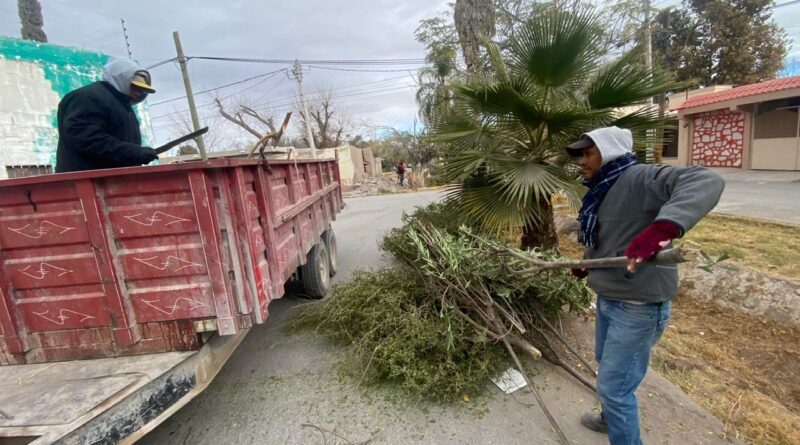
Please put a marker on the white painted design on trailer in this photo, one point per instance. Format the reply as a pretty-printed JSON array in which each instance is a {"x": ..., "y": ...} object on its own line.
[
  {"x": 44, "y": 269},
  {"x": 61, "y": 317},
  {"x": 167, "y": 263},
  {"x": 45, "y": 228},
  {"x": 169, "y": 310},
  {"x": 156, "y": 217}
]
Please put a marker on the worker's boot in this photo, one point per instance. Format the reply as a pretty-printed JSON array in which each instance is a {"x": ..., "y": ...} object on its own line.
[{"x": 595, "y": 422}]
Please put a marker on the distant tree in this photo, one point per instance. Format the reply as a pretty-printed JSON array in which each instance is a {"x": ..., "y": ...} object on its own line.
[
  {"x": 30, "y": 16},
  {"x": 328, "y": 123},
  {"x": 184, "y": 150},
  {"x": 720, "y": 41}
]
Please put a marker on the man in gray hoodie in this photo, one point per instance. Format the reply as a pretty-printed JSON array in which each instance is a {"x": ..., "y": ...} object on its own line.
[
  {"x": 633, "y": 210},
  {"x": 97, "y": 127}
]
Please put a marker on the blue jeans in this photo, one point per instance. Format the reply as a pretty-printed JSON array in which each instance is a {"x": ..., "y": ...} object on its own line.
[{"x": 624, "y": 335}]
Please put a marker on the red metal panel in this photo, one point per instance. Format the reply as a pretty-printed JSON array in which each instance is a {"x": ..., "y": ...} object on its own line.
[
  {"x": 64, "y": 313},
  {"x": 116, "y": 262}
]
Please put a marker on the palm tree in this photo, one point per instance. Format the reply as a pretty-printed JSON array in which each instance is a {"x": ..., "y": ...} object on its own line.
[
  {"x": 434, "y": 91},
  {"x": 504, "y": 137},
  {"x": 474, "y": 23}
]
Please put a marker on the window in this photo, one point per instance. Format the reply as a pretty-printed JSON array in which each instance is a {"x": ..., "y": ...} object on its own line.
[{"x": 669, "y": 146}]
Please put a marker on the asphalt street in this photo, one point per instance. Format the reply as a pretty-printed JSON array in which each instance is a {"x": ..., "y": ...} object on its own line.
[
  {"x": 284, "y": 387},
  {"x": 761, "y": 194}
]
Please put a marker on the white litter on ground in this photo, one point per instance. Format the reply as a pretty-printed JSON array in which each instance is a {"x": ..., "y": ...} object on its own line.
[{"x": 510, "y": 380}]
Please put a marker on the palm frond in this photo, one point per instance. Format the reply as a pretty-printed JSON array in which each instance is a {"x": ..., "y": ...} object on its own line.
[
  {"x": 556, "y": 48},
  {"x": 623, "y": 82}
]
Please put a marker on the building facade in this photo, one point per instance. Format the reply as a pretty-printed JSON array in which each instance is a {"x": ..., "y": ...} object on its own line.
[{"x": 753, "y": 126}]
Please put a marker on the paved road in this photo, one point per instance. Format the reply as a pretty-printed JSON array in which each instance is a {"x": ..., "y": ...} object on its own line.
[
  {"x": 280, "y": 380},
  {"x": 761, "y": 194}
]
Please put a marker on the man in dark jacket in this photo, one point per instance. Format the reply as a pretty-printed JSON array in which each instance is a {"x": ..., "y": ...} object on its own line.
[
  {"x": 635, "y": 210},
  {"x": 97, "y": 127}
]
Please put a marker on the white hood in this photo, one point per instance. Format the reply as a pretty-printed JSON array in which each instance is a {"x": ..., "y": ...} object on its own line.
[
  {"x": 612, "y": 142},
  {"x": 119, "y": 72}
]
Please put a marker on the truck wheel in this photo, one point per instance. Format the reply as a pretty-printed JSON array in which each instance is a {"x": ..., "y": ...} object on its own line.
[
  {"x": 330, "y": 242},
  {"x": 315, "y": 274}
]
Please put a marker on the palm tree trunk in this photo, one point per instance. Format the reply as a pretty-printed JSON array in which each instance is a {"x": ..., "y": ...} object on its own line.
[
  {"x": 30, "y": 15},
  {"x": 543, "y": 234}
]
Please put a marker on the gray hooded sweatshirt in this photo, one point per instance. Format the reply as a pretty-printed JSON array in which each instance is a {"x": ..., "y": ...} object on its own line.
[
  {"x": 119, "y": 72},
  {"x": 644, "y": 194}
]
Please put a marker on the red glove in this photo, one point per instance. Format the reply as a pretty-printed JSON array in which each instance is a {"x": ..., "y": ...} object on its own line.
[
  {"x": 652, "y": 239},
  {"x": 580, "y": 273}
]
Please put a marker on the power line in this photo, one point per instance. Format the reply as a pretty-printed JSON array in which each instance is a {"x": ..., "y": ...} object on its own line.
[
  {"x": 163, "y": 62},
  {"x": 271, "y": 73},
  {"x": 359, "y": 70},
  {"x": 284, "y": 98},
  {"x": 789, "y": 3},
  {"x": 316, "y": 62}
]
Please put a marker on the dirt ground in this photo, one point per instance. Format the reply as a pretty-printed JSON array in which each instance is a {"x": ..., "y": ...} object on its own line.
[{"x": 743, "y": 369}]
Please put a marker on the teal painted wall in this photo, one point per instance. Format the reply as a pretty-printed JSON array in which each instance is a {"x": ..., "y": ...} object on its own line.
[{"x": 30, "y": 113}]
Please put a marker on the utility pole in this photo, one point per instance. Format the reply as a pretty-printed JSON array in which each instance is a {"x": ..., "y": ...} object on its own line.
[
  {"x": 298, "y": 75},
  {"x": 125, "y": 33},
  {"x": 648, "y": 61},
  {"x": 192, "y": 109}
]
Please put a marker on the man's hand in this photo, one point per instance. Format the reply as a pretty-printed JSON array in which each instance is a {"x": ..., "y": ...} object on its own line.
[
  {"x": 649, "y": 242},
  {"x": 148, "y": 155},
  {"x": 579, "y": 273}
]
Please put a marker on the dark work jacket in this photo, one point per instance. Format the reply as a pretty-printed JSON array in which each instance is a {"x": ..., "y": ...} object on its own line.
[{"x": 97, "y": 128}]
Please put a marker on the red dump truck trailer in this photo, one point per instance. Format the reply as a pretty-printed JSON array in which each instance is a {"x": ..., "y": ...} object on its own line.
[{"x": 124, "y": 291}]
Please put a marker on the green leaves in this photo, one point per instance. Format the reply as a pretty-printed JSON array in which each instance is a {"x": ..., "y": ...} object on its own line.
[
  {"x": 504, "y": 136},
  {"x": 556, "y": 49}
]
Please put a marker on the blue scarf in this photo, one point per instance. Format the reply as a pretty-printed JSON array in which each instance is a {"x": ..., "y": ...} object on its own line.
[{"x": 598, "y": 187}]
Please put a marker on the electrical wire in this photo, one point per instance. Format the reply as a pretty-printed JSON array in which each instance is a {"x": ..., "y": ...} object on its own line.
[
  {"x": 284, "y": 98},
  {"x": 789, "y": 3},
  {"x": 316, "y": 61},
  {"x": 163, "y": 62},
  {"x": 238, "y": 82},
  {"x": 359, "y": 70}
]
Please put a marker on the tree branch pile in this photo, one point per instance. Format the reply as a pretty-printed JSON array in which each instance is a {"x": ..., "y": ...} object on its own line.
[{"x": 494, "y": 292}]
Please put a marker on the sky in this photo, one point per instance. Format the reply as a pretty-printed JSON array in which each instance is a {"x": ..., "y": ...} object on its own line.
[{"x": 382, "y": 96}]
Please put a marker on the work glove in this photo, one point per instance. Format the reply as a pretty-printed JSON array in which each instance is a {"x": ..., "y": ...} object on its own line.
[
  {"x": 147, "y": 155},
  {"x": 650, "y": 241},
  {"x": 579, "y": 273}
]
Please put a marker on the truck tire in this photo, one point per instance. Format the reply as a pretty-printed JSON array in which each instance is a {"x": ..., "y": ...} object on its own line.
[
  {"x": 333, "y": 252},
  {"x": 315, "y": 274}
]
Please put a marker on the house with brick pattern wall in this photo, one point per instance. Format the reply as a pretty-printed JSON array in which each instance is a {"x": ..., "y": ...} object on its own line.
[{"x": 754, "y": 126}]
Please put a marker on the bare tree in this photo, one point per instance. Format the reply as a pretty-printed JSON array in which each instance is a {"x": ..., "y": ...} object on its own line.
[
  {"x": 30, "y": 15},
  {"x": 327, "y": 122},
  {"x": 248, "y": 117},
  {"x": 180, "y": 124}
]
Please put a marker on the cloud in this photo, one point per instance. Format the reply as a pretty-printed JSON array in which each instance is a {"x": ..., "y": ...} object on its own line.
[{"x": 305, "y": 29}]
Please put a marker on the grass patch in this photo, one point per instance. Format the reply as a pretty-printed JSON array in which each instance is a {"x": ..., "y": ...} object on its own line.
[{"x": 762, "y": 245}]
